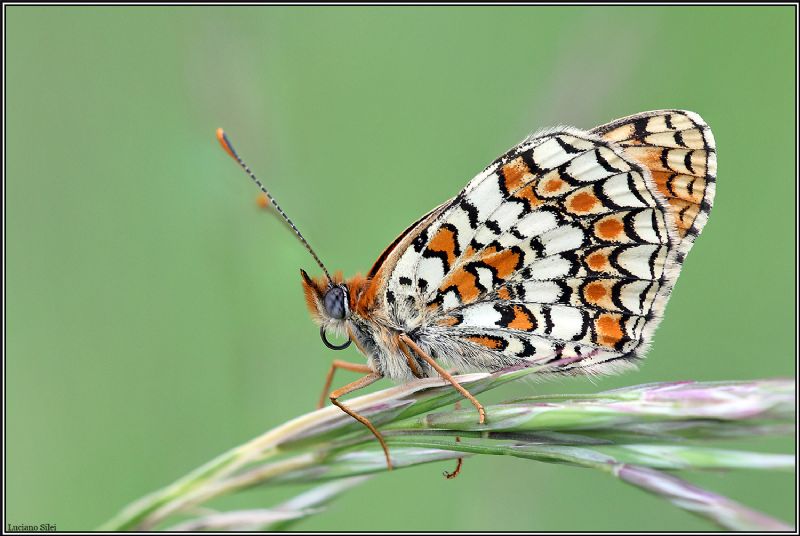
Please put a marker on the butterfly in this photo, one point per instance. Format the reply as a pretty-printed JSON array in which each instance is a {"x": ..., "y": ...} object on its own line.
[{"x": 563, "y": 251}]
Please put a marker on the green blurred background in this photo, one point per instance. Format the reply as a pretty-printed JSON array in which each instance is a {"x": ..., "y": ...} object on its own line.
[{"x": 155, "y": 316}]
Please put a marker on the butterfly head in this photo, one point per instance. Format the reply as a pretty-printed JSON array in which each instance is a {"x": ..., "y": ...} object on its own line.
[{"x": 328, "y": 300}]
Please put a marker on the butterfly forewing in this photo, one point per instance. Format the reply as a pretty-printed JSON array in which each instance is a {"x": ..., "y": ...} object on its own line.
[{"x": 563, "y": 247}]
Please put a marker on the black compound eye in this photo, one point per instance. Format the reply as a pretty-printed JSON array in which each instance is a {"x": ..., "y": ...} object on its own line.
[{"x": 335, "y": 303}]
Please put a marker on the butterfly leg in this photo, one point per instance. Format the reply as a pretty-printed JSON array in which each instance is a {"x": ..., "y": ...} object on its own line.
[
  {"x": 446, "y": 375},
  {"x": 369, "y": 379},
  {"x": 338, "y": 364},
  {"x": 460, "y": 461}
]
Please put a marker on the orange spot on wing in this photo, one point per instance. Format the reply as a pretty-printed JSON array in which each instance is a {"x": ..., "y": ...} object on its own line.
[
  {"x": 486, "y": 341},
  {"x": 444, "y": 241},
  {"x": 597, "y": 261},
  {"x": 583, "y": 202},
  {"x": 505, "y": 262},
  {"x": 503, "y": 293},
  {"x": 448, "y": 321},
  {"x": 464, "y": 284},
  {"x": 553, "y": 185},
  {"x": 609, "y": 330},
  {"x": 515, "y": 173},
  {"x": 522, "y": 319},
  {"x": 609, "y": 228},
  {"x": 594, "y": 292}
]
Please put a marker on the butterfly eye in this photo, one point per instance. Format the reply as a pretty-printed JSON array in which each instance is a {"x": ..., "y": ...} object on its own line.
[{"x": 336, "y": 303}]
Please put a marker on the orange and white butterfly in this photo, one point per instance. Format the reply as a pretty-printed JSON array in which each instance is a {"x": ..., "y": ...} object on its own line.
[{"x": 563, "y": 250}]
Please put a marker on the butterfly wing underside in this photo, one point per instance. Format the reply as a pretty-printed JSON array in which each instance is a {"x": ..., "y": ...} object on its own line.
[{"x": 567, "y": 246}]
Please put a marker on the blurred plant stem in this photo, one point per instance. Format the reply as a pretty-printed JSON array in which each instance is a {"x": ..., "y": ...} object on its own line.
[{"x": 633, "y": 434}]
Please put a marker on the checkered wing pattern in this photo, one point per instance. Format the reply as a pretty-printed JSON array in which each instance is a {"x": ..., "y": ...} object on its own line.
[{"x": 567, "y": 246}]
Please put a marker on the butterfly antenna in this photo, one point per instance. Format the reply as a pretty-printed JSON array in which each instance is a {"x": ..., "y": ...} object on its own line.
[{"x": 226, "y": 144}]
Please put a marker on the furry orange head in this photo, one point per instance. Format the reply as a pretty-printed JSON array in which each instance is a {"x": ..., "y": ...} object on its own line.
[
  {"x": 328, "y": 301},
  {"x": 334, "y": 302}
]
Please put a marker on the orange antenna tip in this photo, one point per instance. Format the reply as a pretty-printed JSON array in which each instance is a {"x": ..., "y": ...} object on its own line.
[
  {"x": 223, "y": 140},
  {"x": 267, "y": 199},
  {"x": 263, "y": 201}
]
